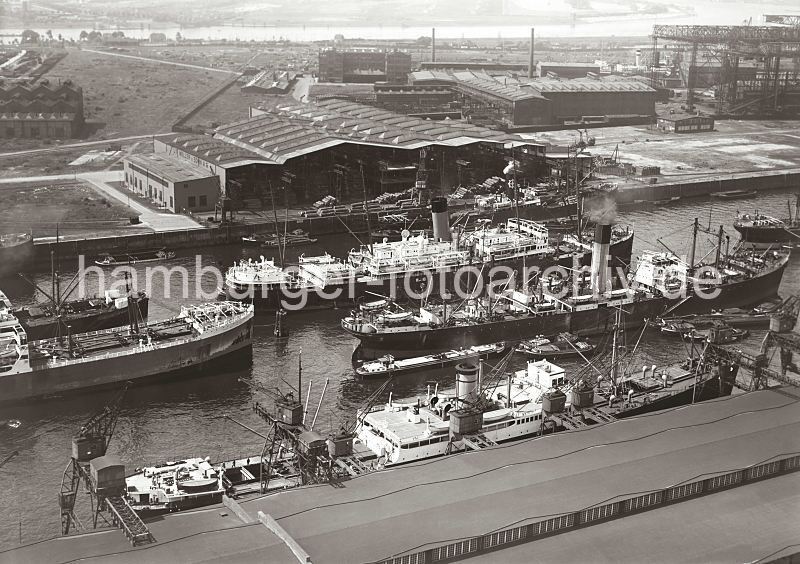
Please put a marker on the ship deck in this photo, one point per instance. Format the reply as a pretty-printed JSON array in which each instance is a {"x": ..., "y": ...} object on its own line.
[{"x": 427, "y": 504}]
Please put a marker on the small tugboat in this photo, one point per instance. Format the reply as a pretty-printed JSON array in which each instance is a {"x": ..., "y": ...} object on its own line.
[
  {"x": 136, "y": 257},
  {"x": 718, "y": 335},
  {"x": 387, "y": 364},
  {"x": 174, "y": 486},
  {"x": 678, "y": 328},
  {"x": 561, "y": 346}
]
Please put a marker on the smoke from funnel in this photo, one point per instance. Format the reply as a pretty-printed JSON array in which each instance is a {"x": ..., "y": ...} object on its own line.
[
  {"x": 510, "y": 167},
  {"x": 600, "y": 209}
]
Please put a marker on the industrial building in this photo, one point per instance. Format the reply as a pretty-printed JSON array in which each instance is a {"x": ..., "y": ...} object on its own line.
[
  {"x": 486, "y": 66},
  {"x": 345, "y": 149},
  {"x": 175, "y": 184},
  {"x": 685, "y": 123},
  {"x": 266, "y": 82},
  {"x": 566, "y": 70},
  {"x": 42, "y": 111},
  {"x": 338, "y": 65}
]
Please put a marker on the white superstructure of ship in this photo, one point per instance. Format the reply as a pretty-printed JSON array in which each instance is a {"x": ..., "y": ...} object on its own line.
[{"x": 421, "y": 428}]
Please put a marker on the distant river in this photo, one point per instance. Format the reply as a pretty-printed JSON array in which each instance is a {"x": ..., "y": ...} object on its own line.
[{"x": 185, "y": 418}]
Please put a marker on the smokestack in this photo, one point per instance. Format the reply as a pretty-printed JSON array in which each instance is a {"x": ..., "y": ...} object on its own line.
[
  {"x": 530, "y": 58},
  {"x": 602, "y": 241},
  {"x": 441, "y": 220},
  {"x": 466, "y": 383},
  {"x": 433, "y": 44},
  {"x": 638, "y": 57}
]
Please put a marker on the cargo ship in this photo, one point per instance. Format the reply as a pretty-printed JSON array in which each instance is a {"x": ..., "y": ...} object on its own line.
[
  {"x": 47, "y": 320},
  {"x": 417, "y": 265},
  {"x": 738, "y": 279},
  {"x": 189, "y": 342},
  {"x": 537, "y": 399},
  {"x": 511, "y": 315},
  {"x": 762, "y": 229}
]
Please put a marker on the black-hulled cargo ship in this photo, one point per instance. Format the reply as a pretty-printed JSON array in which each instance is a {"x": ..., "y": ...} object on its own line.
[{"x": 761, "y": 229}]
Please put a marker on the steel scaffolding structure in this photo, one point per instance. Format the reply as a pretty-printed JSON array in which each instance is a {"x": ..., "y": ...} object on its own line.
[{"x": 768, "y": 90}]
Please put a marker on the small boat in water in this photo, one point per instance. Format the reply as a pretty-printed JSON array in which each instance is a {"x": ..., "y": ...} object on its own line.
[
  {"x": 296, "y": 238},
  {"x": 388, "y": 365},
  {"x": 717, "y": 335},
  {"x": 735, "y": 194},
  {"x": 563, "y": 345},
  {"x": 137, "y": 257}
]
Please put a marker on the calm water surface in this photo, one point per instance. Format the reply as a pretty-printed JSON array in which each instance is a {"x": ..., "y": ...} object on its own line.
[{"x": 187, "y": 418}]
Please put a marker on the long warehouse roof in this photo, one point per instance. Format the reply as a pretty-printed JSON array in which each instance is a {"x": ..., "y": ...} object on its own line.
[
  {"x": 286, "y": 130},
  {"x": 409, "y": 508}
]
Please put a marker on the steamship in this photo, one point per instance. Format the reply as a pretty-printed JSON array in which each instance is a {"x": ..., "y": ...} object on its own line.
[
  {"x": 415, "y": 266},
  {"x": 742, "y": 278},
  {"x": 189, "y": 341},
  {"x": 760, "y": 229},
  {"x": 511, "y": 315},
  {"x": 539, "y": 398}
]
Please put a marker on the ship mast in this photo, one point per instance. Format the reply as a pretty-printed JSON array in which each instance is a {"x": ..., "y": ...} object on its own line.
[
  {"x": 719, "y": 246},
  {"x": 366, "y": 208},
  {"x": 694, "y": 245},
  {"x": 614, "y": 353},
  {"x": 277, "y": 229}
]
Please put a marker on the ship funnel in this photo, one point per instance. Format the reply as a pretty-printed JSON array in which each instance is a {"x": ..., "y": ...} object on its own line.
[
  {"x": 467, "y": 382},
  {"x": 600, "y": 268},
  {"x": 441, "y": 220}
]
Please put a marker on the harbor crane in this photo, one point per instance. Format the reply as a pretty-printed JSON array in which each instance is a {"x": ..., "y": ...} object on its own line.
[
  {"x": 89, "y": 449},
  {"x": 780, "y": 338}
]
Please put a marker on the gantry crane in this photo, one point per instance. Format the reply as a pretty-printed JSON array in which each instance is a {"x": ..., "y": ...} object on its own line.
[{"x": 780, "y": 338}]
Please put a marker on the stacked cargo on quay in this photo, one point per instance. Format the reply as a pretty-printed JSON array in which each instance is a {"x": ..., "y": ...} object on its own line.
[{"x": 189, "y": 341}]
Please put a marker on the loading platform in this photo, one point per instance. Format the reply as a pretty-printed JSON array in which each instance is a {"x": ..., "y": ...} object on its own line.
[
  {"x": 687, "y": 480},
  {"x": 129, "y": 521}
]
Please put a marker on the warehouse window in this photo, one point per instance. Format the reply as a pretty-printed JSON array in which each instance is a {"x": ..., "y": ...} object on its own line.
[
  {"x": 34, "y": 132},
  {"x": 792, "y": 463},
  {"x": 504, "y": 537},
  {"x": 686, "y": 490},
  {"x": 203, "y": 201},
  {"x": 765, "y": 469},
  {"x": 9, "y": 132},
  {"x": 192, "y": 201},
  {"x": 59, "y": 132},
  {"x": 725, "y": 480},
  {"x": 600, "y": 512},
  {"x": 643, "y": 501}
]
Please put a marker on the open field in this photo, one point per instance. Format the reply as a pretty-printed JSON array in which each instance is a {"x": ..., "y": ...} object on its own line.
[
  {"x": 231, "y": 105},
  {"x": 74, "y": 205},
  {"x": 124, "y": 96}
]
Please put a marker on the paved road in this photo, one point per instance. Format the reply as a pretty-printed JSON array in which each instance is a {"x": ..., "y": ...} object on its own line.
[
  {"x": 83, "y": 144},
  {"x": 149, "y": 60},
  {"x": 158, "y": 221}
]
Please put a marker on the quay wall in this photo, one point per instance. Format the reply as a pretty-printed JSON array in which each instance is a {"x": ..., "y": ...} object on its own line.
[{"x": 357, "y": 223}]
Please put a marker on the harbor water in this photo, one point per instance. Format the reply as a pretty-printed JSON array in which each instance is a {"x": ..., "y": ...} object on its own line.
[{"x": 173, "y": 420}]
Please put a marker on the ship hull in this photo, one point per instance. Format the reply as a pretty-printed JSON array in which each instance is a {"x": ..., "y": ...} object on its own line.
[
  {"x": 91, "y": 320},
  {"x": 741, "y": 294},
  {"x": 765, "y": 235},
  {"x": 585, "y": 322},
  {"x": 184, "y": 357},
  {"x": 14, "y": 258}
]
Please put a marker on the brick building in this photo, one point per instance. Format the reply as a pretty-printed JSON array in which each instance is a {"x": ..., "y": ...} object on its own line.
[{"x": 336, "y": 65}]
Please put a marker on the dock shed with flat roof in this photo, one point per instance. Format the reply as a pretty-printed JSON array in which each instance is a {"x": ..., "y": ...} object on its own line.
[{"x": 175, "y": 184}]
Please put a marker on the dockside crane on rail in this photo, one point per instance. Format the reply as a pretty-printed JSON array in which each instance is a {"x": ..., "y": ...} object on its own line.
[
  {"x": 102, "y": 478},
  {"x": 780, "y": 338}
]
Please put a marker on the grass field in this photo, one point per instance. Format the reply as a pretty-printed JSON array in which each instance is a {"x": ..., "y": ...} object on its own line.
[
  {"x": 124, "y": 97},
  {"x": 74, "y": 206}
]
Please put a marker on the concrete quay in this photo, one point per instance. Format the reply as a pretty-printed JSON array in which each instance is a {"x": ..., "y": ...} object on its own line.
[{"x": 669, "y": 486}]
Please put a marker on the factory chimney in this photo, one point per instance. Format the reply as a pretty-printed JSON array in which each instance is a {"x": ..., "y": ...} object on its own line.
[
  {"x": 433, "y": 44},
  {"x": 441, "y": 219},
  {"x": 638, "y": 62},
  {"x": 602, "y": 241},
  {"x": 530, "y": 58}
]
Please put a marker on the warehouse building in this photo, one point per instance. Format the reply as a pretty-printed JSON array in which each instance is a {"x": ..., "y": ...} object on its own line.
[
  {"x": 344, "y": 149},
  {"x": 42, "y": 111},
  {"x": 266, "y": 82},
  {"x": 488, "y": 66},
  {"x": 337, "y": 65},
  {"x": 566, "y": 70},
  {"x": 175, "y": 184},
  {"x": 683, "y": 123},
  {"x": 548, "y": 101}
]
